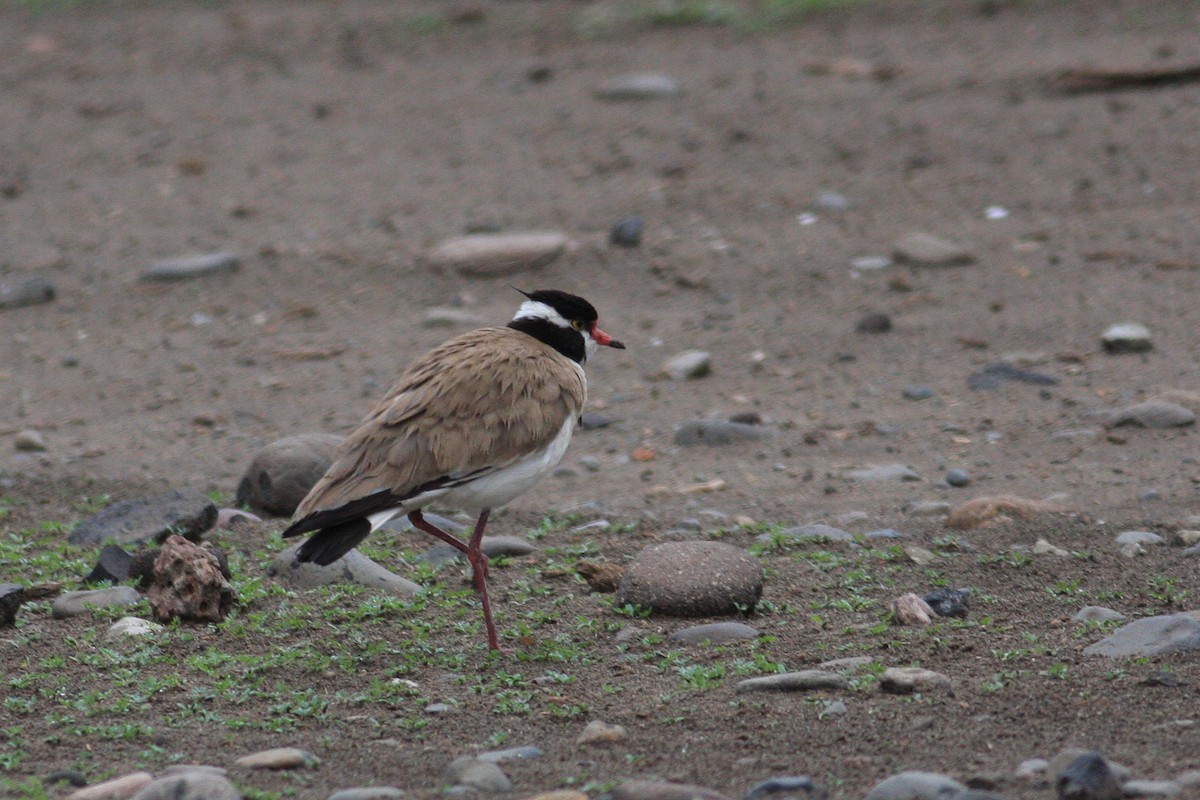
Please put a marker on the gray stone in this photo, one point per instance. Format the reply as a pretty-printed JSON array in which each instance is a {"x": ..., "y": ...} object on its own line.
[
  {"x": 368, "y": 793},
  {"x": 1150, "y": 636},
  {"x": 716, "y": 432},
  {"x": 192, "y": 785},
  {"x": 805, "y": 680},
  {"x": 871, "y": 263},
  {"x": 187, "y": 267},
  {"x": 662, "y": 790},
  {"x": 353, "y": 568},
  {"x": 949, "y": 602},
  {"x": 1152, "y": 414},
  {"x": 481, "y": 775},
  {"x": 439, "y": 317},
  {"x": 828, "y": 200},
  {"x": 848, "y": 664},
  {"x": 691, "y": 579},
  {"x": 873, "y": 322},
  {"x": 788, "y": 784},
  {"x": 957, "y": 477},
  {"x": 283, "y": 472},
  {"x": 72, "y": 604},
  {"x": 1097, "y": 614},
  {"x": 1139, "y": 537},
  {"x": 883, "y": 472},
  {"x": 688, "y": 364},
  {"x": 926, "y": 250},
  {"x": 30, "y": 290},
  {"x": 278, "y": 758},
  {"x": 916, "y": 785},
  {"x": 523, "y": 753},
  {"x": 812, "y": 532},
  {"x": 1087, "y": 777},
  {"x": 187, "y": 512},
  {"x": 638, "y": 86},
  {"x": 1149, "y": 788},
  {"x": 917, "y": 392},
  {"x": 627, "y": 232},
  {"x": 993, "y": 376},
  {"x": 12, "y": 595},
  {"x": 132, "y": 626},
  {"x": 714, "y": 633},
  {"x": 1032, "y": 770},
  {"x": 906, "y": 680},
  {"x": 497, "y": 255},
  {"x": 929, "y": 508},
  {"x": 1127, "y": 337}
]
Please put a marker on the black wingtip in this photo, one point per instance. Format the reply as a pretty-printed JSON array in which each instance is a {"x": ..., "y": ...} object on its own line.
[{"x": 328, "y": 545}]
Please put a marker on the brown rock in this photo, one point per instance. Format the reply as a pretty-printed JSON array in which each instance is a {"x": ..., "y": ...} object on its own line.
[
  {"x": 906, "y": 680},
  {"x": 692, "y": 579},
  {"x": 497, "y": 255},
  {"x": 116, "y": 789},
  {"x": 911, "y": 609},
  {"x": 283, "y": 472},
  {"x": 597, "y": 732},
  {"x": 601, "y": 576},
  {"x": 662, "y": 790},
  {"x": 997, "y": 508},
  {"x": 187, "y": 583}
]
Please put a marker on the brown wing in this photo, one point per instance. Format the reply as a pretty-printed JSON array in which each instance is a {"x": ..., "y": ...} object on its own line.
[{"x": 479, "y": 401}]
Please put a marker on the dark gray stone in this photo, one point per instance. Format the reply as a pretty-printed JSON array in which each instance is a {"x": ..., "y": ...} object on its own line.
[
  {"x": 949, "y": 602},
  {"x": 957, "y": 477},
  {"x": 112, "y": 566},
  {"x": 813, "y": 532},
  {"x": 1088, "y": 777},
  {"x": 187, "y": 512},
  {"x": 993, "y": 376},
  {"x": 28, "y": 291},
  {"x": 917, "y": 392},
  {"x": 790, "y": 784},
  {"x": 283, "y": 472},
  {"x": 522, "y": 753},
  {"x": 874, "y": 322},
  {"x": 12, "y": 595},
  {"x": 715, "y": 433},
  {"x": 692, "y": 579},
  {"x": 627, "y": 232}
]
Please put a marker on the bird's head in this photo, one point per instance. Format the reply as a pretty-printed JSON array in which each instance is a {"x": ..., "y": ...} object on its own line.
[{"x": 564, "y": 321}]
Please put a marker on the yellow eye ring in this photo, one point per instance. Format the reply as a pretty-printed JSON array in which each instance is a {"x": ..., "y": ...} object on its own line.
[{"x": 578, "y": 324}]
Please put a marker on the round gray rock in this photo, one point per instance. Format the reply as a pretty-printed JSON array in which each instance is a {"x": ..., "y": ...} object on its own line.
[
  {"x": 188, "y": 512},
  {"x": 72, "y": 604},
  {"x": 1150, "y": 636},
  {"x": 281, "y": 474},
  {"x": 692, "y": 579},
  {"x": 482, "y": 775},
  {"x": 1153, "y": 414},
  {"x": 916, "y": 786},
  {"x": 199, "y": 784}
]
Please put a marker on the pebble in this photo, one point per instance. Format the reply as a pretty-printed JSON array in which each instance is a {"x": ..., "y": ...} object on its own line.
[
  {"x": 884, "y": 533},
  {"x": 1127, "y": 337},
  {"x": 29, "y": 441},
  {"x": 1140, "y": 538},
  {"x": 283, "y": 472},
  {"x": 827, "y": 200},
  {"x": 442, "y": 317},
  {"x": 788, "y": 784},
  {"x": 926, "y": 250},
  {"x": 716, "y": 433},
  {"x": 627, "y": 232},
  {"x": 687, "y": 365},
  {"x": 1087, "y": 777},
  {"x": 29, "y": 291},
  {"x": 497, "y": 255},
  {"x": 1150, "y": 636},
  {"x": 597, "y": 732},
  {"x": 591, "y": 421},
  {"x": 187, "y": 267},
  {"x": 1152, "y": 414},
  {"x": 993, "y": 376},
  {"x": 120, "y": 788},
  {"x": 1032, "y": 770},
  {"x": 72, "y": 604},
  {"x": 874, "y": 322},
  {"x": 523, "y": 753},
  {"x": 883, "y": 472},
  {"x": 916, "y": 785},
  {"x": 1148, "y": 788},
  {"x": 352, "y": 568},
  {"x": 1097, "y": 614},
  {"x": 691, "y": 579},
  {"x": 929, "y": 508},
  {"x": 481, "y": 775},
  {"x": 186, "y": 511},
  {"x": 714, "y": 633},
  {"x": 638, "y": 86},
  {"x": 278, "y": 758},
  {"x": 368, "y": 793},
  {"x": 1044, "y": 548},
  {"x": 812, "y": 532},
  {"x": 949, "y": 602},
  {"x": 194, "y": 784},
  {"x": 906, "y": 680},
  {"x": 662, "y": 790},
  {"x": 957, "y": 477},
  {"x": 871, "y": 263},
  {"x": 805, "y": 680},
  {"x": 133, "y": 626},
  {"x": 917, "y": 392}
]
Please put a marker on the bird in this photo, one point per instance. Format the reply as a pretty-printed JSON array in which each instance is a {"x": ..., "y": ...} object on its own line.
[{"x": 471, "y": 424}]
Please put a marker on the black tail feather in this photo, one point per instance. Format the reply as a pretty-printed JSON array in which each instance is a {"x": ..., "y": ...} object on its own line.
[{"x": 329, "y": 544}]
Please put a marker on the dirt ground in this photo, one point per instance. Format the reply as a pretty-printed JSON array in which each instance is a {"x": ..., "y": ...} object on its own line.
[{"x": 331, "y": 144}]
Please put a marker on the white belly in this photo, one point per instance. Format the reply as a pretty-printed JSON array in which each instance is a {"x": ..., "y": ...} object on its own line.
[{"x": 501, "y": 486}]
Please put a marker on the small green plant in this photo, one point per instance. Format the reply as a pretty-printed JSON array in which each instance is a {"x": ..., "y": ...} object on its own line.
[{"x": 700, "y": 677}]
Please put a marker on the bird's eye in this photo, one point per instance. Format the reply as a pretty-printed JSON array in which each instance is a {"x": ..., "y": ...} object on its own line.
[{"x": 578, "y": 324}]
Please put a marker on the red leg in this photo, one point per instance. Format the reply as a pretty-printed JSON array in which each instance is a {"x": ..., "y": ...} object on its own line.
[{"x": 477, "y": 559}]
